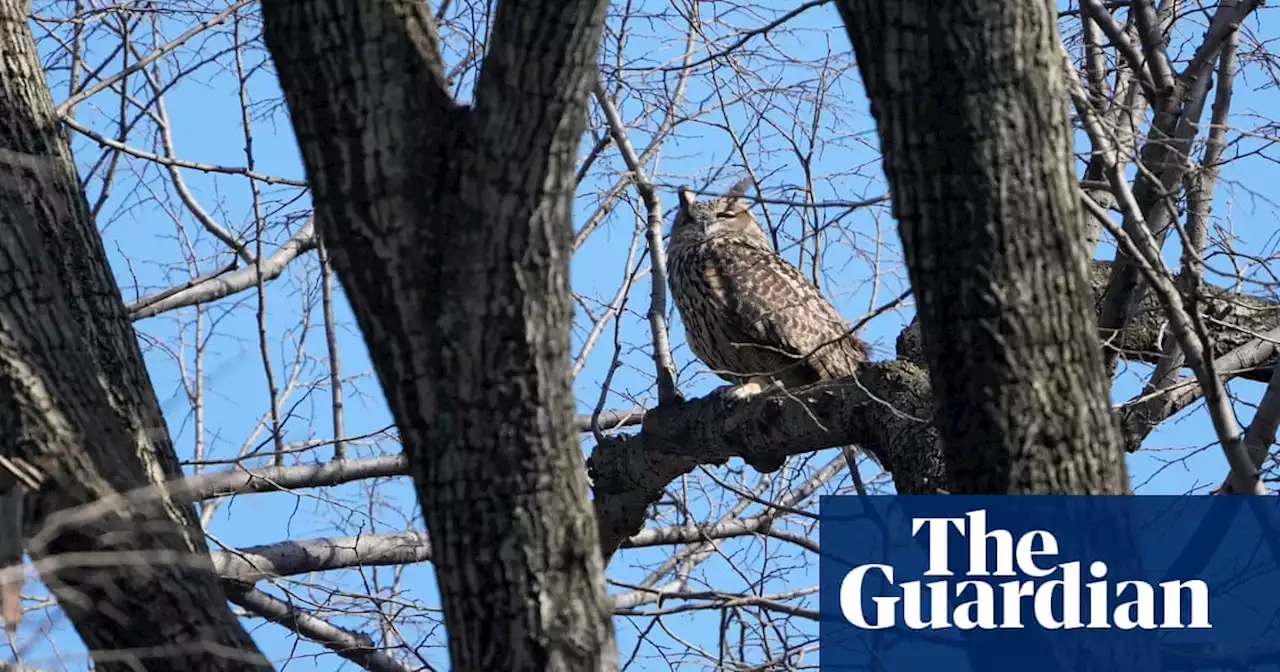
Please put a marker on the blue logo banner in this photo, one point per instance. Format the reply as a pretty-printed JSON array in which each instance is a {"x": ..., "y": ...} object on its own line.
[{"x": 1049, "y": 583}]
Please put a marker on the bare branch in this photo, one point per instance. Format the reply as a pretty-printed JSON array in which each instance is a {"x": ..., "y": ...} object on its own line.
[
  {"x": 1244, "y": 475},
  {"x": 1152, "y": 37},
  {"x": 108, "y": 82},
  {"x": 354, "y": 646},
  {"x": 1227, "y": 20},
  {"x": 290, "y": 558},
  {"x": 666, "y": 370},
  {"x": 886, "y": 410},
  {"x": 221, "y": 285}
]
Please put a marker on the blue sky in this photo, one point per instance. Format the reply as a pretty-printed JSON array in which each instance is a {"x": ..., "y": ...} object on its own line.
[{"x": 146, "y": 249}]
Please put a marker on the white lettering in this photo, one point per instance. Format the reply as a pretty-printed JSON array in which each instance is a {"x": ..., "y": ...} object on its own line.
[
  {"x": 979, "y": 612},
  {"x": 913, "y": 614},
  {"x": 1055, "y": 604},
  {"x": 1027, "y": 553},
  {"x": 851, "y": 598},
  {"x": 1070, "y": 585},
  {"x": 1173, "y": 604},
  {"x": 978, "y": 537},
  {"x": 938, "y": 562},
  {"x": 1013, "y": 592},
  {"x": 1139, "y": 613},
  {"x": 1097, "y": 596}
]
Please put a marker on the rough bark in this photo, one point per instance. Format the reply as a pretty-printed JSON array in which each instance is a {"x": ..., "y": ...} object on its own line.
[
  {"x": 450, "y": 228},
  {"x": 969, "y": 106},
  {"x": 886, "y": 410},
  {"x": 78, "y": 417},
  {"x": 1233, "y": 319}
]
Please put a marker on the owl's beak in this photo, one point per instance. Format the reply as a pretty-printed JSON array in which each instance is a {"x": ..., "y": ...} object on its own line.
[{"x": 686, "y": 197}]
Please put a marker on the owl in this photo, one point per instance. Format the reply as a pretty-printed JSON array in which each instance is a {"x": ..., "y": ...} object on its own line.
[{"x": 748, "y": 314}]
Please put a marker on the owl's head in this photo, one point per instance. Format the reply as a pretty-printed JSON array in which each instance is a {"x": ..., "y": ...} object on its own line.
[{"x": 715, "y": 218}]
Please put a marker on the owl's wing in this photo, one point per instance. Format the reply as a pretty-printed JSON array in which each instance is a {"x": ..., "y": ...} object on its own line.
[{"x": 777, "y": 308}]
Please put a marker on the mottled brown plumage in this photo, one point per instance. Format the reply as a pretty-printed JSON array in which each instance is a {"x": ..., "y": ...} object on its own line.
[{"x": 748, "y": 314}]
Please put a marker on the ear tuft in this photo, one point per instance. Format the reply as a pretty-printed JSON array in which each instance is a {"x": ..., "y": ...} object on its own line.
[
  {"x": 739, "y": 188},
  {"x": 686, "y": 196}
]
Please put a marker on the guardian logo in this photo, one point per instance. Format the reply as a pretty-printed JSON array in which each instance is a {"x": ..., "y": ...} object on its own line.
[
  {"x": 1036, "y": 577},
  {"x": 1049, "y": 583}
]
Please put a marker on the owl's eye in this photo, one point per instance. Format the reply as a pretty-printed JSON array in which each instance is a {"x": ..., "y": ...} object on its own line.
[{"x": 726, "y": 215}]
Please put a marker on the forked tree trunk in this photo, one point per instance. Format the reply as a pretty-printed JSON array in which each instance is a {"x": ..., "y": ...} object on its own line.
[
  {"x": 450, "y": 229},
  {"x": 968, "y": 100},
  {"x": 78, "y": 416}
]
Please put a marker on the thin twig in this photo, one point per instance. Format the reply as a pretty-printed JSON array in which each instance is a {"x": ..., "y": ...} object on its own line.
[{"x": 662, "y": 360}]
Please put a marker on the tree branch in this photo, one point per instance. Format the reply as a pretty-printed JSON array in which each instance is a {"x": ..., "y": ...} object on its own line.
[
  {"x": 290, "y": 558},
  {"x": 666, "y": 369},
  {"x": 356, "y": 647},
  {"x": 226, "y": 283},
  {"x": 886, "y": 411},
  {"x": 1162, "y": 163}
]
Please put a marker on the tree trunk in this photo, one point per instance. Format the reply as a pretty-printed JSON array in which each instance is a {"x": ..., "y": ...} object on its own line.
[
  {"x": 78, "y": 417},
  {"x": 968, "y": 99},
  {"x": 450, "y": 229}
]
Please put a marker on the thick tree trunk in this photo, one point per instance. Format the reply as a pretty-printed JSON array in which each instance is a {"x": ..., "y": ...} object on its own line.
[
  {"x": 968, "y": 98},
  {"x": 450, "y": 228},
  {"x": 78, "y": 418}
]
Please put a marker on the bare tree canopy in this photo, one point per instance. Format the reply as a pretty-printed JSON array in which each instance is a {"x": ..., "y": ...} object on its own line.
[{"x": 396, "y": 276}]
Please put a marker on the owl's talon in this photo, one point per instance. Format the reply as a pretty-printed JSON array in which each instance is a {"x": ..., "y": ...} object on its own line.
[
  {"x": 747, "y": 390},
  {"x": 729, "y": 392},
  {"x": 740, "y": 392}
]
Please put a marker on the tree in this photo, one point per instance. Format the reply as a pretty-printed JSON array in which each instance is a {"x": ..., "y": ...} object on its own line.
[
  {"x": 451, "y": 230},
  {"x": 80, "y": 422},
  {"x": 186, "y": 150},
  {"x": 970, "y": 109}
]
